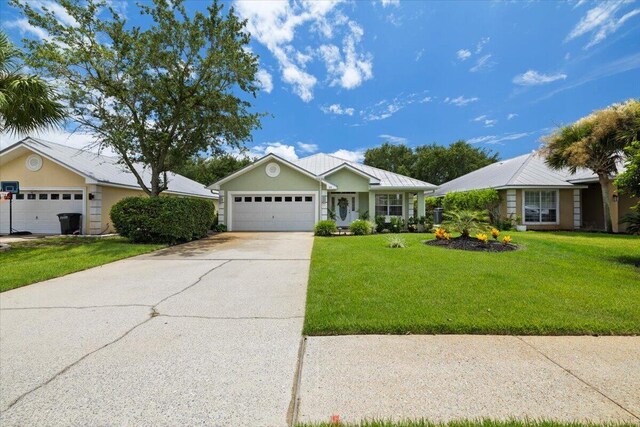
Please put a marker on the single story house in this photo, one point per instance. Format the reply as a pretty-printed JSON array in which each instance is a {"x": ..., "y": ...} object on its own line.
[
  {"x": 274, "y": 194},
  {"x": 545, "y": 199},
  {"x": 56, "y": 179}
]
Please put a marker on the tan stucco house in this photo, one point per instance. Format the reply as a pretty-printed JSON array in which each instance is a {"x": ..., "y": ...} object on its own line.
[
  {"x": 56, "y": 179},
  {"x": 273, "y": 194},
  {"x": 544, "y": 198}
]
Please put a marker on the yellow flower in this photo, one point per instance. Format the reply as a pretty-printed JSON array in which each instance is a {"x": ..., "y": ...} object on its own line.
[
  {"x": 495, "y": 233},
  {"x": 506, "y": 240},
  {"x": 447, "y": 236},
  {"x": 441, "y": 233},
  {"x": 482, "y": 237}
]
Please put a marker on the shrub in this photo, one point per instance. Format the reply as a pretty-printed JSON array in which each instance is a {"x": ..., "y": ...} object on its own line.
[
  {"x": 325, "y": 228},
  {"x": 632, "y": 219},
  {"x": 380, "y": 223},
  {"x": 361, "y": 227},
  {"x": 163, "y": 219},
  {"x": 220, "y": 228},
  {"x": 487, "y": 200},
  {"x": 364, "y": 216},
  {"x": 466, "y": 222},
  {"x": 396, "y": 242},
  {"x": 397, "y": 224}
]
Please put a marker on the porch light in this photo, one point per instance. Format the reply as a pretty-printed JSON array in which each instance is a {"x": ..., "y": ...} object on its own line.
[{"x": 615, "y": 198}]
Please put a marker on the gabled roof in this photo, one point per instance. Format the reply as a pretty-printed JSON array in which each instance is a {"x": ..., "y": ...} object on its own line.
[
  {"x": 528, "y": 170},
  {"x": 322, "y": 164},
  {"x": 101, "y": 169}
]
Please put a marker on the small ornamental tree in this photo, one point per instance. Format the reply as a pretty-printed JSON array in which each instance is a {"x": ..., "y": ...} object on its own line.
[
  {"x": 156, "y": 95},
  {"x": 596, "y": 142}
]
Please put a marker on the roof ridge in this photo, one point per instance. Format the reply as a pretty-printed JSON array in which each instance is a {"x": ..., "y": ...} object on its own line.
[
  {"x": 517, "y": 172},
  {"x": 83, "y": 150}
]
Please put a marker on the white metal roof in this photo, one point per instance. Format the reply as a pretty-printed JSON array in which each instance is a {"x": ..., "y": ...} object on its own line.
[
  {"x": 106, "y": 170},
  {"x": 528, "y": 170},
  {"x": 320, "y": 164}
]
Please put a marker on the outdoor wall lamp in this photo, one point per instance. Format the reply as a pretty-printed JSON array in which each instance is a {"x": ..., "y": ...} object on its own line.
[
  {"x": 91, "y": 196},
  {"x": 615, "y": 198}
]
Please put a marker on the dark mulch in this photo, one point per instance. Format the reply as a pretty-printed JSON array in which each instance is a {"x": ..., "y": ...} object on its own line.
[{"x": 472, "y": 244}]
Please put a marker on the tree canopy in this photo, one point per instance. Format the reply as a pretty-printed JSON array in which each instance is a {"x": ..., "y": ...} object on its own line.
[
  {"x": 596, "y": 142},
  {"x": 27, "y": 102},
  {"x": 212, "y": 169},
  {"x": 156, "y": 95},
  {"x": 432, "y": 163}
]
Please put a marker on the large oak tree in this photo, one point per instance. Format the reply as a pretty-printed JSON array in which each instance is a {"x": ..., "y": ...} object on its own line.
[{"x": 155, "y": 94}]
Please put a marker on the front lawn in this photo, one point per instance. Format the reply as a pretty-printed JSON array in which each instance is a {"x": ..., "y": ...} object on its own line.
[
  {"x": 41, "y": 259},
  {"x": 556, "y": 284}
]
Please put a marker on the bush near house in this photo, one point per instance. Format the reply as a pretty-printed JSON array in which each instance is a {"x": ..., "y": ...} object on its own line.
[
  {"x": 325, "y": 228},
  {"x": 361, "y": 227},
  {"x": 473, "y": 200},
  {"x": 163, "y": 219}
]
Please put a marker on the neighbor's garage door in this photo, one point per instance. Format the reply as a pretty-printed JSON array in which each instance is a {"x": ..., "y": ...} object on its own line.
[
  {"x": 36, "y": 211},
  {"x": 273, "y": 212}
]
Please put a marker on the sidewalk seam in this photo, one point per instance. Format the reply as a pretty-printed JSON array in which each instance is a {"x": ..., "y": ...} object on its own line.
[
  {"x": 294, "y": 405},
  {"x": 578, "y": 378}
]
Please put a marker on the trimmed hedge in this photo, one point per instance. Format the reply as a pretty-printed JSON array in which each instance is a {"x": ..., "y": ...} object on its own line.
[
  {"x": 473, "y": 200},
  {"x": 163, "y": 219}
]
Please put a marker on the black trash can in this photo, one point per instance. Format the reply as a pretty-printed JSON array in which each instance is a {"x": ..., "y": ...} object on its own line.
[
  {"x": 69, "y": 222},
  {"x": 437, "y": 216}
]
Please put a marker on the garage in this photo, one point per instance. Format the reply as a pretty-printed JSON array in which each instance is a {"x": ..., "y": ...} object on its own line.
[
  {"x": 273, "y": 212},
  {"x": 36, "y": 211}
]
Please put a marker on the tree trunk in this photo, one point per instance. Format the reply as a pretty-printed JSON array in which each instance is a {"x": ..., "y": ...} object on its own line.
[{"x": 604, "y": 185}]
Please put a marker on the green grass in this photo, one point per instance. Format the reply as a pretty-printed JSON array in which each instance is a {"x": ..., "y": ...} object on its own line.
[
  {"x": 556, "y": 284},
  {"x": 468, "y": 423},
  {"x": 41, "y": 259}
]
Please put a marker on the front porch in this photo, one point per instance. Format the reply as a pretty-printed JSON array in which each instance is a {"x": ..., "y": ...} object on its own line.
[{"x": 350, "y": 206}]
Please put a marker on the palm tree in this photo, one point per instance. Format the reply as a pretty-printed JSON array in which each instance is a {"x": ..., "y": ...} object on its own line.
[
  {"x": 596, "y": 142},
  {"x": 466, "y": 222},
  {"x": 27, "y": 102}
]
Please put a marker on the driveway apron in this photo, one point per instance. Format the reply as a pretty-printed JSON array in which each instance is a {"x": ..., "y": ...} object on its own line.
[{"x": 206, "y": 333}]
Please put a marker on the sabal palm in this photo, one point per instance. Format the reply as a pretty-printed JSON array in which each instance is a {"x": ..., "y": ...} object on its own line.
[
  {"x": 466, "y": 222},
  {"x": 27, "y": 103}
]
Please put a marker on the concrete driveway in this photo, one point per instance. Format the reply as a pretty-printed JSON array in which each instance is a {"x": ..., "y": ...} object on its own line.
[{"x": 206, "y": 333}]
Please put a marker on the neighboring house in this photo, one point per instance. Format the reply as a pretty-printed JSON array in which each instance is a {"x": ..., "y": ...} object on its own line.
[
  {"x": 58, "y": 179},
  {"x": 273, "y": 194},
  {"x": 545, "y": 199}
]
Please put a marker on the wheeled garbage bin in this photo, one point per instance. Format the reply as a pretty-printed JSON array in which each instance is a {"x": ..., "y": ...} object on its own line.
[{"x": 69, "y": 222}]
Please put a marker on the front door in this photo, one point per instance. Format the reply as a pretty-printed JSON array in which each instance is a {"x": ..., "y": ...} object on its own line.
[{"x": 344, "y": 207}]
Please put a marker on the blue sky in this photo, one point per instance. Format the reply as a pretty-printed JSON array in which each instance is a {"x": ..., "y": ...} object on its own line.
[{"x": 346, "y": 76}]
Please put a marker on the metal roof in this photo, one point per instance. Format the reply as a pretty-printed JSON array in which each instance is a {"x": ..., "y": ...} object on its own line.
[
  {"x": 106, "y": 170},
  {"x": 528, "y": 170},
  {"x": 319, "y": 164}
]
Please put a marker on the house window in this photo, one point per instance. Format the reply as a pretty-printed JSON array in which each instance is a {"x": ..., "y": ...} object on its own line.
[
  {"x": 55, "y": 196},
  {"x": 43, "y": 196},
  {"x": 66, "y": 197},
  {"x": 247, "y": 199},
  {"x": 298, "y": 198},
  {"x": 278, "y": 199},
  {"x": 308, "y": 198},
  {"x": 31, "y": 196},
  {"x": 268, "y": 199},
  {"x": 19, "y": 196},
  {"x": 540, "y": 206},
  {"x": 77, "y": 196},
  {"x": 237, "y": 199},
  {"x": 257, "y": 199},
  {"x": 388, "y": 204}
]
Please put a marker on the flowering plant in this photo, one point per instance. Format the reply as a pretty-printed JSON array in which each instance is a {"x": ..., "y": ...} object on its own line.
[
  {"x": 482, "y": 237},
  {"x": 495, "y": 233},
  {"x": 441, "y": 233},
  {"x": 506, "y": 240}
]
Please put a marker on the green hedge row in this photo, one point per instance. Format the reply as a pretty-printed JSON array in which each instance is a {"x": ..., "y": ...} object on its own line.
[
  {"x": 163, "y": 219},
  {"x": 473, "y": 200}
]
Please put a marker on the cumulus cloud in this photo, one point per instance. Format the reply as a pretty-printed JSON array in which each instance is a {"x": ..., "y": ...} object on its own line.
[
  {"x": 352, "y": 156},
  {"x": 463, "y": 54},
  {"x": 601, "y": 21},
  {"x": 264, "y": 80},
  {"x": 287, "y": 152},
  {"x": 393, "y": 139},
  {"x": 307, "y": 148},
  {"x": 274, "y": 24},
  {"x": 461, "y": 101},
  {"x": 337, "y": 109},
  {"x": 533, "y": 78}
]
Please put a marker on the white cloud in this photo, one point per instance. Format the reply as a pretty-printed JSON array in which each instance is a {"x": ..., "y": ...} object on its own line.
[
  {"x": 601, "y": 21},
  {"x": 419, "y": 54},
  {"x": 483, "y": 41},
  {"x": 264, "y": 80},
  {"x": 425, "y": 100},
  {"x": 497, "y": 139},
  {"x": 511, "y": 116},
  {"x": 274, "y": 24},
  {"x": 532, "y": 78},
  {"x": 384, "y": 109},
  {"x": 482, "y": 63},
  {"x": 352, "y": 156},
  {"x": 386, "y": 3},
  {"x": 463, "y": 54},
  {"x": 307, "y": 148},
  {"x": 480, "y": 118},
  {"x": 393, "y": 139},
  {"x": 287, "y": 152},
  {"x": 461, "y": 101},
  {"x": 338, "y": 110},
  {"x": 25, "y": 28},
  {"x": 489, "y": 123}
]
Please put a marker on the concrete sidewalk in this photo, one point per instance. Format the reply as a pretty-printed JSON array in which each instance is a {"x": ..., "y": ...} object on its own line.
[
  {"x": 447, "y": 377},
  {"x": 206, "y": 333}
]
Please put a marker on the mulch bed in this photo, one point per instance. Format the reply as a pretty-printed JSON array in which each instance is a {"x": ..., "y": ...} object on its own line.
[{"x": 472, "y": 244}]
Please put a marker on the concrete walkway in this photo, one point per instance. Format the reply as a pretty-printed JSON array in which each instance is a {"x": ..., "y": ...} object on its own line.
[
  {"x": 449, "y": 377},
  {"x": 201, "y": 334}
]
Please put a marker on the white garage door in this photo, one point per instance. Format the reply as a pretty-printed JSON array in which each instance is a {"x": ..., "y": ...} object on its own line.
[
  {"x": 36, "y": 211},
  {"x": 273, "y": 212}
]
